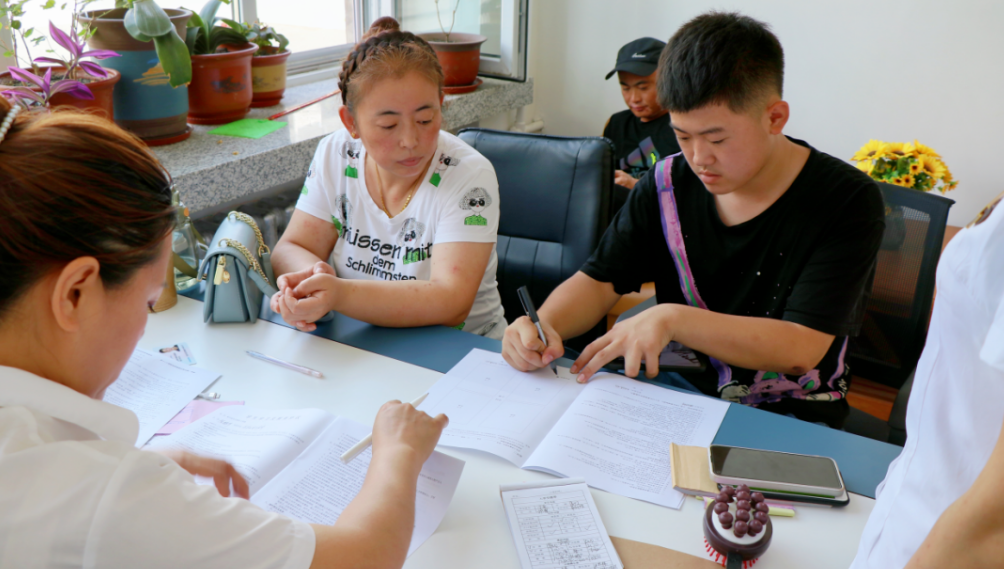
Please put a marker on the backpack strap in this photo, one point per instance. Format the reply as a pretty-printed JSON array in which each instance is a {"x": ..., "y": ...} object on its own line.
[{"x": 673, "y": 232}]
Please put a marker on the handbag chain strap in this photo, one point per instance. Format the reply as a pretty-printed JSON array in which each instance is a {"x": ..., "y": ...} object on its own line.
[
  {"x": 247, "y": 255},
  {"x": 250, "y": 221}
]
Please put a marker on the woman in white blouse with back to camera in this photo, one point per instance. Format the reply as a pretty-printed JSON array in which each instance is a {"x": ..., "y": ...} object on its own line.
[{"x": 85, "y": 225}]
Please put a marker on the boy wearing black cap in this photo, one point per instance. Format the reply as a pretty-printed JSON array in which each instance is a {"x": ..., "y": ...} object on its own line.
[
  {"x": 762, "y": 248},
  {"x": 641, "y": 135}
]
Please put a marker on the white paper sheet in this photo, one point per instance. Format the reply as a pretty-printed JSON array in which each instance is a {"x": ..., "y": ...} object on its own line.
[
  {"x": 495, "y": 408},
  {"x": 317, "y": 486},
  {"x": 155, "y": 389},
  {"x": 259, "y": 443},
  {"x": 616, "y": 435},
  {"x": 558, "y": 527}
]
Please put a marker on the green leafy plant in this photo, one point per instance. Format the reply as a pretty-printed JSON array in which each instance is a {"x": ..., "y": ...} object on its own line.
[
  {"x": 146, "y": 21},
  {"x": 261, "y": 35},
  {"x": 204, "y": 36}
]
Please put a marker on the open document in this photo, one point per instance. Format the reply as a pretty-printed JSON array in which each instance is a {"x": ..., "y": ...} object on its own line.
[
  {"x": 156, "y": 388},
  {"x": 614, "y": 431},
  {"x": 291, "y": 462}
]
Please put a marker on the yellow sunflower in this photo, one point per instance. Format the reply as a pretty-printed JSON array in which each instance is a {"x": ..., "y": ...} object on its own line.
[
  {"x": 897, "y": 150},
  {"x": 915, "y": 167},
  {"x": 931, "y": 166},
  {"x": 866, "y": 166},
  {"x": 907, "y": 181},
  {"x": 874, "y": 150},
  {"x": 897, "y": 180},
  {"x": 948, "y": 181},
  {"x": 925, "y": 150}
]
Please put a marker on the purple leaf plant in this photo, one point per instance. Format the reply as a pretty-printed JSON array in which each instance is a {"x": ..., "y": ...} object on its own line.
[{"x": 73, "y": 64}]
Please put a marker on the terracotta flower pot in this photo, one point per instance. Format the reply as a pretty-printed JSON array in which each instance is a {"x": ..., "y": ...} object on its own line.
[
  {"x": 102, "y": 89},
  {"x": 460, "y": 57},
  {"x": 221, "y": 85},
  {"x": 268, "y": 76},
  {"x": 145, "y": 102}
]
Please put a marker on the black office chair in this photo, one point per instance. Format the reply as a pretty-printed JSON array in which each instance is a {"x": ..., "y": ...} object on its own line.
[
  {"x": 555, "y": 202},
  {"x": 896, "y": 316}
]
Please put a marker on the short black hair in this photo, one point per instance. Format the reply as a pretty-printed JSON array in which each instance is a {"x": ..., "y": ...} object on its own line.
[{"x": 719, "y": 57}]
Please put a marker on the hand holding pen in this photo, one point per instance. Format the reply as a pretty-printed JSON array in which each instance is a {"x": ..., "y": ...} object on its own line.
[{"x": 528, "y": 343}]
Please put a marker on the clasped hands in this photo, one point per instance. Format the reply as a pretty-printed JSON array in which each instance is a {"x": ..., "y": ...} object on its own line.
[
  {"x": 306, "y": 296},
  {"x": 638, "y": 339}
]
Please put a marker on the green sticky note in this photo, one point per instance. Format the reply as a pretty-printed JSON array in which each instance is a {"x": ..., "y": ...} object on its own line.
[{"x": 248, "y": 128}]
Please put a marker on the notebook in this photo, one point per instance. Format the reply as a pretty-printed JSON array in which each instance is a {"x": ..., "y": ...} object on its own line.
[
  {"x": 614, "y": 431},
  {"x": 691, "y": 472},
  {"x": 291, "y": 460}
]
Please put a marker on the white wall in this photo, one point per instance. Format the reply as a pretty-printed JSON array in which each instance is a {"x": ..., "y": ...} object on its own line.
[{"x": 895, "y": 70}]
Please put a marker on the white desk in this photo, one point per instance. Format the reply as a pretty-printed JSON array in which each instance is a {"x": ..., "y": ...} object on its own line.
[{"x": 474, "y": 533}]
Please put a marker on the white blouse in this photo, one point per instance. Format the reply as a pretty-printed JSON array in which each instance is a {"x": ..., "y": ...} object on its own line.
[{"x": 75, "y": 492}]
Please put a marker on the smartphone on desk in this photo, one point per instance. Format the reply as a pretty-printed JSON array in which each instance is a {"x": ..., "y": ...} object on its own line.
[
  {"x": 674, "y": 357},
  {"x": 780, "y": 476}
]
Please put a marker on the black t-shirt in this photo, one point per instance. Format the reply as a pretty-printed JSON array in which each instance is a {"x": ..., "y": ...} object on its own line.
[
  {"x": 638, "y": 146},
  {"x": 809, "y": 259}
]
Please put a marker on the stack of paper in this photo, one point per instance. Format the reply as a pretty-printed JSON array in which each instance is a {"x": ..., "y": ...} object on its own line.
[{"x": 156, "y": 388}]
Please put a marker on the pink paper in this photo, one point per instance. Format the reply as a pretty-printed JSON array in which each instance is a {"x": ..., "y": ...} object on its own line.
[{"x": 193, "y": 412}]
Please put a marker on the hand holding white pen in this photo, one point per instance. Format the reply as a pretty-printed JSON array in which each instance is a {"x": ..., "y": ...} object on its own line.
[{"x": 397, "y": 422}]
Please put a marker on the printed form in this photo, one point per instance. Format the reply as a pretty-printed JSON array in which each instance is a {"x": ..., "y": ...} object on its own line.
[
  {"x": 556, "y": 525},
  {"x": 614, "y": 431}
]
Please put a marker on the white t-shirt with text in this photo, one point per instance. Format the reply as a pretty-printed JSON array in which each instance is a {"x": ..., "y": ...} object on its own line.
[{"x": 458, "y": 201}]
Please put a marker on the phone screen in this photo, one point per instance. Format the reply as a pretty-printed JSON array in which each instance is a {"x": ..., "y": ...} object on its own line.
[{"x": 774, "y": 466}]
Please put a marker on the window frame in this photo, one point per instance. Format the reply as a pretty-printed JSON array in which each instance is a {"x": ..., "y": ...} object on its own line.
[
  {"x": 311, "y": 60},
  {"x": 511, "y": 64}
]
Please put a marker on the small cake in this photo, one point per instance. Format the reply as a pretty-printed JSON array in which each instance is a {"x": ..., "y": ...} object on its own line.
[{"x": 736, "y": 524}]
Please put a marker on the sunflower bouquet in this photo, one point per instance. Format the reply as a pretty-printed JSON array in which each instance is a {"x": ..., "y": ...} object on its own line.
[{"x": 910, "y": 165}]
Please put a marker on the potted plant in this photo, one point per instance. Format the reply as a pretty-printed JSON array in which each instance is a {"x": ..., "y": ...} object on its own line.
[
  {"x": 151, "y": 100},
  {"x": 268, "y": 66},
  {"x": 459, "y": 54},
  {"x": 221, "y": 69},
  {"x": 72, "y": 82},
  {"x": 909, "y": 165}
]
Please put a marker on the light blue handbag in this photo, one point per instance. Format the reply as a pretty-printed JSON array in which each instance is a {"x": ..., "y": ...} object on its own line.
[{"x": 238, "y": 269}]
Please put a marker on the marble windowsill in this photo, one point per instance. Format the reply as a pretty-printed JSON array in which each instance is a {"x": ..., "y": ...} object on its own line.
[{"x": 213, "y": 170}]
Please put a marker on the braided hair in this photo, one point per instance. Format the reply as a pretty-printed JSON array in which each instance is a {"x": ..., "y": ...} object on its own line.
[{"x": 386, "y": 51}]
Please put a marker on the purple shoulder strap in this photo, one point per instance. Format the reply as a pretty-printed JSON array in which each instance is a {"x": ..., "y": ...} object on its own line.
[{"x": 674, "y": 239}]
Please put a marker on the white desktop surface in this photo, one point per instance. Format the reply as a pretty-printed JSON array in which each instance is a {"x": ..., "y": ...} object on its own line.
[{"x": 474, "y": 533}]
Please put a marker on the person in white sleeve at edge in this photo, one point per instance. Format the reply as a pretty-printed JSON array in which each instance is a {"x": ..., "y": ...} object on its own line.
[
  {"x": 85, "y": 243},
  {"x": 407, "y": 213},
  {"x": 942, "y": 501}
]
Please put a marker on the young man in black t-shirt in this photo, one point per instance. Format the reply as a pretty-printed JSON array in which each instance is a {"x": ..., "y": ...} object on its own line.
[
  {"x": 641, "y": 134},
  {"x": 761, "y": 247}
]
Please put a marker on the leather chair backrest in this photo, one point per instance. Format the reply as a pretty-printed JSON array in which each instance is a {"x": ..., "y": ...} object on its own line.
[{"x": 555, "y": 201}]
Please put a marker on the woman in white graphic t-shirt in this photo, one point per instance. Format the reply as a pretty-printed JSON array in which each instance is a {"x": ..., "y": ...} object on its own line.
[{"x": 407, "y": 214}]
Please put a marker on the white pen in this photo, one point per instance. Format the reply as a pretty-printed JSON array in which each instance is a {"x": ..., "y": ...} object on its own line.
[
  {"x": 368, "y": 439},
  {"x": 287, "y": 365}
]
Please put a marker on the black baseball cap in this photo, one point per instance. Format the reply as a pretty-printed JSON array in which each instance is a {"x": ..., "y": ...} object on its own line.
[{"x": 640, "y": 57}]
